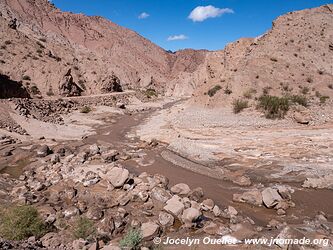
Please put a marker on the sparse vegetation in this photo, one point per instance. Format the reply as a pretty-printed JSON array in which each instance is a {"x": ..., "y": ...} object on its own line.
[
  {"x": 305, "y": 90},
  {"x": 34, "y": 90},
  {"x": 248, "y": 94},
  {"x": 85, "y": 110},
  {"x": 227, "y": 91},
  {"x": 21, "y": 222},
  {"x": 8, "y": 42},
  {"x": 150, "y": 93},
  {"x": 131, "y": 240},
  {"x": 26, "y": 78},
  {"x": 299, "y": 99},
  {"x": 83, "y": 228},
  {"x": 330, "y": 86},
  {"x": 274, "y": 106},
  {"x": 239, "y": 105},
  {"x": 273, "y": 59},
  {"x": 50, "y": 92},
  {"x": 266, "y": 90},
  {"x": 211, "y": 92},
  {"x": 323, "y": 98}
]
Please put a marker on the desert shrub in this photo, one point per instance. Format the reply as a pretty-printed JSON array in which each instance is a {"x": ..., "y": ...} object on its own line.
[
  {"x": 323, "y": 98},
  {"x": 3, "y": 47},
  {"x": 266, "y": 90},
  {"x": 83, "y": 228},
  {"x": 273, "y": 59},
  {"x": 239, "y": 105},
  {"x": 2, "y": 62},
  {"x": 26, "y": 78},
  {"x": 131, "y": 240},
  {"x": 34, "y": 90},
  {"x": 309, "y": 79},
  {"x": 227, "y": 91},
  {"x": 248, "y": 94},
  {"x": 305, "y": 90},
  {"x": 330, "y": 86},
  {"x": 42, "y": 39},
  {"x": 39, "y": 51},
  {"x": 85, "y": 110},
  {"x": 318, "y": 94},
  {"x": 50, "y": 92},
  {"x": 211, "y": 92},
  {"x": 76, "y": 67},
  {"x": 150, "y": 93},
  {"x": 21, "y": 222},
  {"x": 8, "y": 42},
  {"x": 40, "y": 45},
  {"x": 299, "y": 99},
  {"x": 273, "y": 106}
]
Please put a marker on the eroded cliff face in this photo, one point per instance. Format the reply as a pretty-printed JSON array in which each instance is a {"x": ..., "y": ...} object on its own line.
[
  {"x": 294, "y": 57},
  {"x": 48, "y": 41},
  {"x": 12, "y": 89}
]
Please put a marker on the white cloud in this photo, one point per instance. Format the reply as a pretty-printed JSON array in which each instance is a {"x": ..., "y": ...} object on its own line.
[
  {"x": 177, "y": 37},
  {"x": 143, "y": 15},
  {"x": 201, "y": 13}
]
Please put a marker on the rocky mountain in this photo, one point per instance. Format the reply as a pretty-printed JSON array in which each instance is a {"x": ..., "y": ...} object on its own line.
[
  {"x": 295, "y": 57},
  {"x": 45, "y": 43}
]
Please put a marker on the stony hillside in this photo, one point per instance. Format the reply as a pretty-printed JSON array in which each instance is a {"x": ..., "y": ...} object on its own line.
[
  {"x": 45, "y": 43},
  {"x": 294, "y": 57}
]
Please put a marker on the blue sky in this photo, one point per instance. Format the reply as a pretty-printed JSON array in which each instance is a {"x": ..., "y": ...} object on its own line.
[{"x": 159, "y": 20}]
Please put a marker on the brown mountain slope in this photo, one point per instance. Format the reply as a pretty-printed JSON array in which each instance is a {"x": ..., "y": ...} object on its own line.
[
  {"x": 295, "y": 57},
  {"x": 95, "y": 48}
]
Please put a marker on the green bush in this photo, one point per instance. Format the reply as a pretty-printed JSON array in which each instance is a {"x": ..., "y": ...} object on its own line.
[
  {"x": 150, "y": 93},
  {"x": 131, "y": 240},
  {"x": 34, "y": 90},
  {"x": 274, "y": 106},
  {"x": 214, "y": 90},
  {"x": 83, "y": 228},
  {"x": 248, "y": 94},
  {"x": 21, "y": 222},
  {"x": 323, "y": 98},
  {"x": 299, "y": 99},
  {"x": 85, "y": 110},
  {"x": 239, "y": 105}
]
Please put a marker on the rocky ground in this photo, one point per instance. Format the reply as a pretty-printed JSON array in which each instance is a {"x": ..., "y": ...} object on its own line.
[{"x": 121, "y": 183}]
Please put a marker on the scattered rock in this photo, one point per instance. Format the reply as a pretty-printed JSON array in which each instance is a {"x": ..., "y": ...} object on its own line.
[
  {"x": 190, "y": 215},
  {"x": 165, "y": 219},
  {"x": 180, "y": 189},
  {"x": 270, "y": 197},
  {"x": 43, "y": 151},
  {"x": 253, "y": 197},
  {"x": 149, "y": 230},
  {"x": 117, "y": 176},
  {"x": 175, "y": 205}
]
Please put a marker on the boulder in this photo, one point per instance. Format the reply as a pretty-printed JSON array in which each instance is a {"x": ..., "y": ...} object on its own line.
[
  {"x": 252, "y": 197},
  {"x": 117, "y": 176},
  {"x": 71, "y": 212},
  {"x": 149, "y": 230},
  {"x": 94, "y": 213},
  {"x": 68, "y": 87},
  {"x": 94, "y": 150},
  {"x": 196, "y": 194},
  {"x": 55, "y": 159},
  {"x": 181, "y": 189},
  {"x": 270, "y": 197},
  {"x": 43, "y": 151},
  {"x": 165, "y": 219},
  {"x": 207, "y": 204},
  {"x": 190, "y": 215},
  {"x": 174, "y": 206},
  {"x": 160, "y": 194}
]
